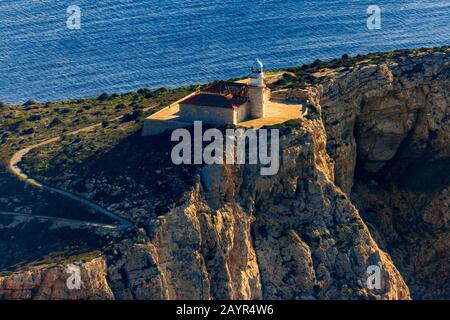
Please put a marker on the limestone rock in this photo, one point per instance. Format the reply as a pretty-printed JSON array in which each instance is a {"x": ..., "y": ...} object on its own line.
[{"x": 51, "y": 283}]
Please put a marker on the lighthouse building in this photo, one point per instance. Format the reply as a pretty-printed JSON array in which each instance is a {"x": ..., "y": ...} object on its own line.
[
  {"x": 228, "y": 102},
  {"x": 258, "y": 93},
  {"x": 246, "y": 103}
]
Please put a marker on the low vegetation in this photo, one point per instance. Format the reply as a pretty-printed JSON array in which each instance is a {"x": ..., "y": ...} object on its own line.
[{"x": 309, "y": 74}]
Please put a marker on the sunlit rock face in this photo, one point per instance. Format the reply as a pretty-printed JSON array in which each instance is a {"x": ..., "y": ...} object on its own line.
[
  {"x": 376, "y": 113},
  {"x": 52, "y": 283},
  {"x": 388, "y": 130}
]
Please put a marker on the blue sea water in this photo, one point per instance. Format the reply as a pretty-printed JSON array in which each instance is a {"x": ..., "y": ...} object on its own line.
[{"x": 124, "y": 45}]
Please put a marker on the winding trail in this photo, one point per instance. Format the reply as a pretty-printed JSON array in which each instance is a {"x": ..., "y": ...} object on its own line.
[
  {"x": 69, "y": 222},
  {"x": 14, "y": 167}
]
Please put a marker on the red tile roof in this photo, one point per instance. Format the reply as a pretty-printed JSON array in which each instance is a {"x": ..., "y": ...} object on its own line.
[
  {"x": 220, "y": 94},
  {"x": 223, "y": 87},
  {"x": 214, "y": 100}
]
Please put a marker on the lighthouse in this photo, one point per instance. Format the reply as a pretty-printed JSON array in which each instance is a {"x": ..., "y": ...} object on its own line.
[
  {"x": 243, "y": 103},
  {"x": 257, "y": 91}
]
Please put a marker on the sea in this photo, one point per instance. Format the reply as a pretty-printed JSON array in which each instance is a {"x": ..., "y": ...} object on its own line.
[{"x": 67, "y": 49}]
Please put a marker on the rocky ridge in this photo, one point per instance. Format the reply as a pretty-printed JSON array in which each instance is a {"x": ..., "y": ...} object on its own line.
[{"x": 388, "y": 127}]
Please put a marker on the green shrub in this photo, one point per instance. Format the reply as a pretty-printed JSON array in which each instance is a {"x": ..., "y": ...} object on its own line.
[
  {"x": 54, "y": 122},
  {"x": 29, "y": 103},
  {"x": 64, "y": 111},
  {"x": 103, "y": 97},
  {"x": 120, "y": 106},
  {"x": 28, "y": 131},
  {"x": 34, "y": 117},
  {"x": 132, "y": 116}
]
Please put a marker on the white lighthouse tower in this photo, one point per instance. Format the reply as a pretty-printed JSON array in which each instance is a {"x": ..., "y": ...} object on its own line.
[{"x": 257, "y": 91}]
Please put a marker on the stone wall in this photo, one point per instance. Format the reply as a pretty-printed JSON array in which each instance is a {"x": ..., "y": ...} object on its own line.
[
  {"x": 155, "y": 126},
  {"x": 211, "y": 115},
  {"x": 242, "y": 112},
  {"x": 258, "y": 98}
]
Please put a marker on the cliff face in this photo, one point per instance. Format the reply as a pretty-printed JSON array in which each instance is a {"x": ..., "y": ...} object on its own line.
[
  {"x": 50, "y": 283},
  {"x": 377, "y": 112},
  {"x": 363, "y": 181},
  {"x": 388, "y": 128},
  {"x": 240, "y": 235},
  {"x": 294, "y": 235}
]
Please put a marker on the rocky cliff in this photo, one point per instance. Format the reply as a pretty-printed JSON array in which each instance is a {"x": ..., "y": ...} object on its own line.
[
  {"x": 51, "y": 283},
  {"x": 238, "y": 235},
  {"x": 363, "y": 181},
  {"x": 388, "y": 127}
]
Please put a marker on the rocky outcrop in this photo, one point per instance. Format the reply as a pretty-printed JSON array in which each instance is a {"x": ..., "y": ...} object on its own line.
[
  {"x": 51, "y": 283},
  {"x": 134, "y": 273},
  {"x": 371, "y": 110},
  {"x": 413, "y": 228},
  {"x": 388, "y": 127}
]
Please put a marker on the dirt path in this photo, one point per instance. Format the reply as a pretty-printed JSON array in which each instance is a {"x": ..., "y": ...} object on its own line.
[
  {"x": 69, "y": 222},
  {"x": 15, "y": 168}
]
